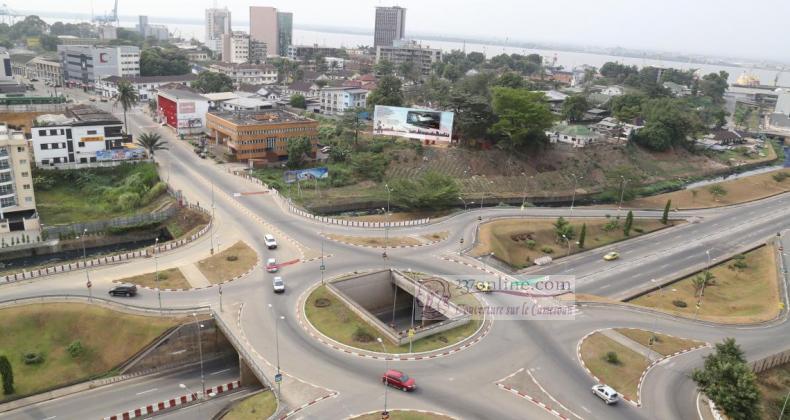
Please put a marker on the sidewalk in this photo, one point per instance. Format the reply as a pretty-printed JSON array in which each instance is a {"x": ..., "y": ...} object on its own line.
[
  {"x": 649, "y": 354},
  {"x": 194, "y": 276}
]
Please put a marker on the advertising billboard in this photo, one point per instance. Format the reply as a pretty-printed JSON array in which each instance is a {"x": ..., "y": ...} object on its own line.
[
  {"x": 305, "y": 174},
  {"x": 186, "y": 107},
  {"x": 413, "y": 123},
  {"x": 119, "y": 154}
]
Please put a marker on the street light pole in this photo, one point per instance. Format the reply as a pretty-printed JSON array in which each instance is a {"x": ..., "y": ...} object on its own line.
[
  {"x": 85, "y": 264},
  {"x": 386, "y": 369},
  {"x": 156, "y": 273},
  {"x": 622, "y": 192},
  {"x": 200, "y": 350},
  {"x": 213, "y": 220},
  {"x": 387, "y": 225},
  {"x": 322, "y": 267},
  {"x": 524, "y": 199},
  {"x": 464, "y": 201},
  {"x": 702, "y": 289},
  {"x": 781, "y": 414},
  {"x": 573, "y": 199},
  {"x": 277, "y": 343}
]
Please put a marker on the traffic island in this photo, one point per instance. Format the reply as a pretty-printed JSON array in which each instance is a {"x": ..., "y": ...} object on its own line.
[
  {"x": 390, "y": 242},
  {"x": 171, "y": 278},
  {"x": 261, "y": 405},
  {"x": 228, "y": 264},
  {"x": 402, "y": 415},
  {"x": 741, "y": 290},
  {"x": 520, "y": 242},
  {"x": 355, "y": 310},
  {"x": 622, "y": 357},
  {"x": 71, "y": 343}
]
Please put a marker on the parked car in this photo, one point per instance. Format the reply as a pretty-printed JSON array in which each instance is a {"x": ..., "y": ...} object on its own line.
[
  {"x": 269, "y": 240},
  {"x": 278, "y": 285},
  {"x": 125, "y": 289},
  {"x": 92, "y": 99},
  {"x": 271, "y": 265},
  {"x": 611, "y": 256},
  {"x": 606, "y": 393},
  {"x": 400, "y": 380}
]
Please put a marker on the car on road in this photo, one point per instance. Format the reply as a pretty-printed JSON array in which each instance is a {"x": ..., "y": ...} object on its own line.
[
  {"x": 269, "y": 240},
  {"x": 400, "y": 380},
  {"x": 606, "y": 393},
  {"x": 271, "y": 265},
  {"x": 92, "y": 99},
  {"x": 483, "y": 286},
  {"x": 278, "y": 285},
  {"x": 611, "y": 256},
  {"x": 103, "y": 99},
  {"x": 125, "y": 289}
]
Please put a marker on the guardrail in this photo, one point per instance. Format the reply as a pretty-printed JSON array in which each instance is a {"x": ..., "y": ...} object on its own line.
[
  {"x": 771, "y": 361},
  {"x": 243, "y": 352},
  {"x": 67, "y": 298}
]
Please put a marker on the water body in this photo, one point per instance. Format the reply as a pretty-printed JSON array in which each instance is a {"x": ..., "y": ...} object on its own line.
[{"x": 567, "y": 59}]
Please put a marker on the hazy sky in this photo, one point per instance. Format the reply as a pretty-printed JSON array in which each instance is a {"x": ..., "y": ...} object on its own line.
[{"x": 753, "y": 28}]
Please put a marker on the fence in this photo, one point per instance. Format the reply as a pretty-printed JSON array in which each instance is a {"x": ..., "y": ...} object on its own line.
[
  {"x": 287, "y": 204},
  {"x": 101, "y": 225},
  {"x": 110, "y": 259},
  {"x": 771, "y": 361},
  {"x": 90, "y": 165}
]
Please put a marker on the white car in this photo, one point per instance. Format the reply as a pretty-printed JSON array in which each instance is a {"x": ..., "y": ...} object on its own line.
[
  {"x": 271, "y": 265},
  {"x": 606, "y": 393},
  {"x": 278, "y": 285},
  {"x": 269, "y": 240}
]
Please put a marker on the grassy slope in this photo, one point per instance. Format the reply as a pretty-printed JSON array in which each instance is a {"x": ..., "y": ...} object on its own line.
[
  {"x": 774, "y": 385},
  {"x": 259, "y": 406},
  {"x": 736, "y": 296},
  {"x": 496, "y": 237},
  {"x": 109, "y": 338},
  {"x": 623, "y": 377}
]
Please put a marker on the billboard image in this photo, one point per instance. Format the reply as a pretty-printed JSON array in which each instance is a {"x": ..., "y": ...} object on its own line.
[
  {"x": 306, "y": 174},
  {"x": 414, "y": 123},
  {"x": 119, "y": 154}
]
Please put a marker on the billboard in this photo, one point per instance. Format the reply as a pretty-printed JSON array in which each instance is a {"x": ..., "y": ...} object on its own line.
[
  {"x": 119, "y": 154},
  {"x": 305, "y": 174},
  {"x": 186, "y": 107},
  {"x": 414, "y": 123}
]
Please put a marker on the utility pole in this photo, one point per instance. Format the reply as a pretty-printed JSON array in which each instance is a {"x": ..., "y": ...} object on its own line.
[{"x": 213, "y": 221}]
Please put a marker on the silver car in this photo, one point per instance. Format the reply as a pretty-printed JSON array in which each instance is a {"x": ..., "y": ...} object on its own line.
[
  {"x": 278, "y": 285},
  {"x": 606, "y": 393}
]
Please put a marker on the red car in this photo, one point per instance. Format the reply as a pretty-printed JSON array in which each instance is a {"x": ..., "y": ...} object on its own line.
[{"x": 399, "y": 380}]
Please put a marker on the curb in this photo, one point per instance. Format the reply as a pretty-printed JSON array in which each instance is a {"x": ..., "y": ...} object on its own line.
[
  {"x": 171, "y": 403},
  {"x": 532, "y": 400},
  {"x": 305, "y": 405},
  {"x": 400, "y": 409},
  {"x": 382, "y": 247},
  {"x": 254, "y": 266}
]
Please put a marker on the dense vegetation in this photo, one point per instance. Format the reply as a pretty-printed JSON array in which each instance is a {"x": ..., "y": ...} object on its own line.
[{"x": 163, "y": 62}]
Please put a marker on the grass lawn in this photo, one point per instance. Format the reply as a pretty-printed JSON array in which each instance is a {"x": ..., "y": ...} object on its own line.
[
  {"x": 663, "y": 344},
  {"x": 623, "y": 376},
  {"x": 338, "y": 322},
  {"x": 391, "y": 241},
  {"x": 509, "y": 239},
  {"x": 259, "y": 406},
  {"x": 774, "y": 384},
  {"x": 736, "y": 295},
  {"x": 739, "y": 190},
  {"x": 171, "y": 278},
  {"x": 219, "y": 267},
  {"x": 108, "y": 338},
  {"x": 403, "y": 415}
]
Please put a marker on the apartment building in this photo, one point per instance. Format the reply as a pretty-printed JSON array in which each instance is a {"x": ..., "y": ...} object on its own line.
[
  {"x": 236, "y": 47},
  {"x": 45, "y": 70},
  {"x": 390, "y": 26},
  {"x": 409, "y": 51},
  {"x": 217, "y": 24},
  {"x": 84, "y": 65},
  {"x": 337, "y": 100},
  {"x": 146, "y": 86},
  {"x": 250, "y": 74},
  {"x": 17, "y": 201}
]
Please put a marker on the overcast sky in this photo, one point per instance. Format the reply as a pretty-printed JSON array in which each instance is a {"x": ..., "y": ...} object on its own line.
[{"x": 753, "y": 28}]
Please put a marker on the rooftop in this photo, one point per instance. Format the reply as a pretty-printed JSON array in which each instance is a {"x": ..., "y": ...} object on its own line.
[
  {"x": 185, "y": 93},
  {"x": 248, "y": 103},
  {"x": 153, "y": 79},
  {"x": 77, "y": 115},
  {"x": 220, "y": 96},
  {"x": 269, "y": 116}
]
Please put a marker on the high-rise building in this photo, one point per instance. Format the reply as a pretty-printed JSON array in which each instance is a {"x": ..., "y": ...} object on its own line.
[
  {"x": 390, "y": 26},
  {"x": 17, "y": 201},
  {"x": 217, "y": 24},
  {"x": 285, "y": 31},
  {"x": 404, "y": 51},
  {"x": 84, "y": 65},
  {"x": 143, "y": 25},
  {"x": 236, "y": 47},
  {"x": 263, "y": 27}
]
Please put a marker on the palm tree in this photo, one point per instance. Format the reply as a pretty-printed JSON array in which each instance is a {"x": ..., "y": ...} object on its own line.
[
  {"x": 127, "y": 97},
  {"x": 151, "y": 142}
]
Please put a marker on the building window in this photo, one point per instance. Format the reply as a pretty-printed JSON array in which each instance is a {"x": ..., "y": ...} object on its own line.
[
  {"x": 42, "y": 133},
  {"x": 20, "y": 149},
  {"x": 8, "y": 202},
  {"x": 22, "y": 161},
  {"x": 24, "y": 174},
  {"x": 28, "y": 199},
  {"x": 26, "y": 186},
  {"x": 53, "y": 132},
  {"x": 44, "y": 146},
  {"x": 91, "y": 132},
  {"x": 81, "y": 144}
]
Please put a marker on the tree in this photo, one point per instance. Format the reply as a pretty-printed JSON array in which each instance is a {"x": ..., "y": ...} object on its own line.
[
  {"x": 163, "y": 62},
  {"x": 627, "y": 107},
  {"x": 524, "y": 117},
  {"x": 350, "y": 121},
  {"x": 717, "y": 191},
  {"x": 211, "y": 82},
  {"x": 151, "y": 142},
  {"x": 432, "y": 190},
  {"x": 384, "y": 68},
  {"x": 388, "y": 92},
  {"x": 297, "y": 149},
  {"x": 298, "y": 101},
  {"x": 127, "y": 97},
  {"x": 728, "y": 380},
  {"x": 714, "y": 85},
  {"x": 563, "y": 230},
  {"x": 409, "y": 71},
  {"x": 582, "y": 235},
  {"x": 665, "y": 216},
  {"x": 511, "y": 80},
  {"x": 8, "y": 376},
  {"x": 473, "y": 114},
  {"x": 629, "y": 222},
  {"x": 574, "y": 108}
]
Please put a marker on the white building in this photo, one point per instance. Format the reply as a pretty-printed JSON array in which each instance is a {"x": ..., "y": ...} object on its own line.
[
  {"x": 336, "y": 100},
  {"x": 45, "y": 70},
  {"x": 217, "y": 24},
  {"x": 84, "y": 65},
  {"x": 236, "y": 47},
  {"x": 612, "y": 91},
  {"x": 78, "y": 136},
  {"x": 409, "y": 51},
  {"x": 17, "y": 201},
  {"x": 246, "y": 104},
  {"x": 146, "y": 86},
  {"x": 183, "y": 109},
  {"x": 335, "y": 63},
  {"x": 251, "y": 74}
]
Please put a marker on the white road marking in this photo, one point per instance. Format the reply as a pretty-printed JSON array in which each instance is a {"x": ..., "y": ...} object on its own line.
[
  {"x": 146, "y": 392},
  {"x": 586, "y": 409},
  {"x": 219, "y": 371},
  {"x": 50, "y": 418}
]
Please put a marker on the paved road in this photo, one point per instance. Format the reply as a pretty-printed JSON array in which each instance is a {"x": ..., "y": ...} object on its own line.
[
  {"x": 128, "y": 395},
  {"x": 462, "y": 384}
]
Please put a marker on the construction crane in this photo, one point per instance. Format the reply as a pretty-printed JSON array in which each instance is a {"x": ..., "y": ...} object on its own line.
[
  {"x": 107, "y": 18},
  {"x": 7, "y": 15}
]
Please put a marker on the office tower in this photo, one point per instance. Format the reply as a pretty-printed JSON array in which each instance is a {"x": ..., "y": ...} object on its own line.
[
  {"x": 217, "y": 24},
  {"x": 390, "y": 26},
  {"x": 263, "y": 27},
  {"x": 285, "y": 23}
]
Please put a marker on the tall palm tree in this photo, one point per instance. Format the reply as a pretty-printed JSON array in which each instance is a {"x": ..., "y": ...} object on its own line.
[
  {"x": 151, "y": 142},
  {"x": 127, "y": 97}
]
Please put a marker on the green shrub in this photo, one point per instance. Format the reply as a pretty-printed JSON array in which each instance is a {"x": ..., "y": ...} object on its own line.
[
  {"x": 547, "y": 250},
  {"x": 128, "y": 201},
  {"x": 639, "y": 230},
  {"x": 611, "y": 225},
  {"x": 780, "y": 176},
  {"x": 32, "y": 358},
  {"x": 531, "y": 243},
  {"x": 740, "y": 264},
  {"x": 679, "y": 303},
  {"x": 158, "y": 189},
  {"x": 232, "y": 258},
  {"x": 612, "y": 358},
  {"x": 75, "y": 349}
]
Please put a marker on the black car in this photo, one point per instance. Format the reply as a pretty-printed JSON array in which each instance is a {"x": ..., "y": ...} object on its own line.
[{"x": 127, "y": 290}]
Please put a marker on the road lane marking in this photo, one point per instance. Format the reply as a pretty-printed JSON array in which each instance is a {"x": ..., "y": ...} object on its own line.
[
  {"x": 146, "y": 392},
  {"x": 219, "y": 371}
]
